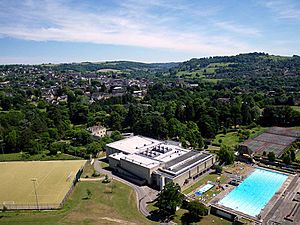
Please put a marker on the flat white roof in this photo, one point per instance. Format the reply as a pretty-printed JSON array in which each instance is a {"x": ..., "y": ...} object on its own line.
[
  {"x": 117, "y": 156},
  {"x": 174, "y": 153},
  {"x": 133, "y": 144},
  {"x": 141, "y": 160}
]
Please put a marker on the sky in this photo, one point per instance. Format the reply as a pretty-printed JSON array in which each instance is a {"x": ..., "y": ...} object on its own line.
[{"x": 59, "y": 31}]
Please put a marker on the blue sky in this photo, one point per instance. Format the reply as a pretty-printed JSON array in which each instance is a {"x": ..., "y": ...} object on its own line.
[{"x": 42, "y": 31}]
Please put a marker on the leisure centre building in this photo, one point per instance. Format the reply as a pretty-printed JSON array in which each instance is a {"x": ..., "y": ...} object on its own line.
[{"x": 145, "y": 160}]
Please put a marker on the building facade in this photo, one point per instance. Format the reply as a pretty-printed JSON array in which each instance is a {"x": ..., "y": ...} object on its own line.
[
  {"x": 97, "y": 131},
  {"x": 153, "y": 162}
]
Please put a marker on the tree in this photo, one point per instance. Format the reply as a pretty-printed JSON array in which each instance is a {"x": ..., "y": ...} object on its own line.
[
  {"x": 93, "y": 148},
  {"x": 226, "y": 155},
  {"x": 89, "y": 193},
  {"x": 116, "y": 135},
  {"x": 176, "y": 128},
  {"x": 286, "y": 158},
  {"x": 81, "y": 137},
  {"x": 34, "y": 147},
  {"x": 271, "y": 156},
  {"x": 11, "y": 141},
  {"x": 54, "y": 148},
  {"x": 115, "y": 121},
  {"x": 159, "y": 126},
  {"x": 106, "y": 180},
  {"x": 218, "y": 169},
  {"x": 133, "y": 115},
  {"x": 246, "y": 113},
  {"x": 293, "y": 155},
  {"x": 169, "y": 198},
  {"x": 197, "y": 209}
]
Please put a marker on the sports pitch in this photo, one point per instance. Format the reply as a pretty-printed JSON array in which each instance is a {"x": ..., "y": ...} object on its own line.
[{"x": 53, "y": 180}]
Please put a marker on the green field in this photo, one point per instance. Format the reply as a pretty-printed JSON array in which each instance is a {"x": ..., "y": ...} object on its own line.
[
  {"x": 53, "y": 181},
  {"x": 210, "y": 177},
  {"x": 231, "y": 139},
  {"x": 212, "y": 80},
  {"x": 104, "y": 207},
  {"x": 296, "y": 128},
  {"x": 298, "y": 156},
  {"x": 297, "y": 108},
  {"x": 202, "y": 72},
  {"x": 205, "y": 220},
  {"x": 179, "y": 217}
]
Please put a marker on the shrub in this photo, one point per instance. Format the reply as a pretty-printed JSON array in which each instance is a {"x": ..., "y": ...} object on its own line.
[{"x": 106, "y": 180}]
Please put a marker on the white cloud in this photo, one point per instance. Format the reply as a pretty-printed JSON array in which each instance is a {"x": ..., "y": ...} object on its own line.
[
  {"x": 284, "y": 9},
  {"x": 132, "y": 24},
  {"x": 239, "y": 29}
]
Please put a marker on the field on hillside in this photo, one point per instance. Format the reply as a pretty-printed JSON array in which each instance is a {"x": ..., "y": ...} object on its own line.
[
  {"x": 202, "y": 72},
  {"x": 53, "y": 181},
  {"x": 104, "y": 207}
]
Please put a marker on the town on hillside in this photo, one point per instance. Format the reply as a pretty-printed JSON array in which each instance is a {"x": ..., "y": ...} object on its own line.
[{"x": 195, "y": 141}]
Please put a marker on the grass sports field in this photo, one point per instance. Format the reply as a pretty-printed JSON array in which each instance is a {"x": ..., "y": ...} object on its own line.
[
  {"x": 103, "y": 207},
  {"x": 53, "y": 181}
]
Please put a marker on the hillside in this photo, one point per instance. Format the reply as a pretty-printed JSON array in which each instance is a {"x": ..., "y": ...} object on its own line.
[
  {"x": 114, "y": 65},
  {"x": 252, "y": 71},
  {"x": 250, "y": 65}
]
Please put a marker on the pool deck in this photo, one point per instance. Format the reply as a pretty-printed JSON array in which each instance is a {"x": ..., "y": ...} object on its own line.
[
  {"x": 287, "y": 204},
  {"x": 273, "y": 208},
  {"x": 276, "y": 196},
  {"x": 229, "y": 188}
]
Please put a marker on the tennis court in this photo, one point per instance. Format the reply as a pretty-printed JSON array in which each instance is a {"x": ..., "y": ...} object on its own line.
[
  {"x": 275, "y": 139},
  {"x": 37, "y": 182}
]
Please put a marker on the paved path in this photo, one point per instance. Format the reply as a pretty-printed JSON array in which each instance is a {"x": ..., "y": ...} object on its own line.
[
  {"x": 91, "y": 179},
  {"x": 144, "y": 194}
]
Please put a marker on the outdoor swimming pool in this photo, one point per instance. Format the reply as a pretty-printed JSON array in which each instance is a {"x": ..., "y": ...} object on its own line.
[
  {"x": 254, "y": 192},
  {"x": 204, "y": 189}
]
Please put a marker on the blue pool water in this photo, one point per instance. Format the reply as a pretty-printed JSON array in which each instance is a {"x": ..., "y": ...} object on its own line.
[
  {"x": 254, "y": 192},
  {"x": 204, "y": 189}
]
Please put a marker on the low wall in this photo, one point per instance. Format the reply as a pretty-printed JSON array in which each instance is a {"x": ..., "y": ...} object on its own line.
[{"x": 222, "y": 213}]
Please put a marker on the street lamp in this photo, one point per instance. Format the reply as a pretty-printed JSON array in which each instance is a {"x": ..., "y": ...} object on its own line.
[{"x": 34, "y": 180}]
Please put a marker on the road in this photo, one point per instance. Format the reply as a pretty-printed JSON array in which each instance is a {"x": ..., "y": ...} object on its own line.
[{"x": 144, "y": 194}]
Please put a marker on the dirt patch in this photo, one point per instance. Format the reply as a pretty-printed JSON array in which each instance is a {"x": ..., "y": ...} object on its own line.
[
  {"x": 117, "y": 221},
  {"x": 130, "y": 196},
  {"x": 91, "y": 212}
]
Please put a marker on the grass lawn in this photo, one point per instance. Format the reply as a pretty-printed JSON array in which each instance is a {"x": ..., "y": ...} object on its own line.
[
  {"x": 104, "y": 207},
  {"x": 297, "y": 108},
  {"x": 298, "y": 155},
  {"x": 231, "y": 139},
  {"x": 297, "y": 127},
  {"x": 206, "y": 220},
  {"x": 88, "y": 170},
  {"x": 43, "y": 156},
  {"x": 104, "y": 164},
  {"x": 209, "y": 177}
]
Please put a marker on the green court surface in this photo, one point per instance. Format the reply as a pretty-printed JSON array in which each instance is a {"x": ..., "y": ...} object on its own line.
[{"x": 52, "y": 179}]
